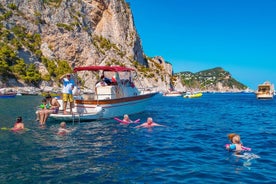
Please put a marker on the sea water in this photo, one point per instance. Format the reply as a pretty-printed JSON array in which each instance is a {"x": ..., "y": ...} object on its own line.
[{"x": 189, "y": 148}]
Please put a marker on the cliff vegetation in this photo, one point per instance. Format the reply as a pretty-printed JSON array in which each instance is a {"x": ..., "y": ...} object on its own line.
[{"x": 42, "y": 40}]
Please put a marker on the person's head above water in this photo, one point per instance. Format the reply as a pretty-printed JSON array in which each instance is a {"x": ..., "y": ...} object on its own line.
[
  {"x": 63, "y": 124},
  {"x": 234, "y": 138},
  {"x": 19, "y": 119},
  {"x": 149, "y": 120}
]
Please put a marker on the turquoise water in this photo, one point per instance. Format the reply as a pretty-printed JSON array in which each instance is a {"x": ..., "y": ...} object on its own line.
[{"x": 189, "y": 149}]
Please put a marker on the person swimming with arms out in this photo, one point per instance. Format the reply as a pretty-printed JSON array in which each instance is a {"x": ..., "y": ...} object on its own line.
[
  {"x": 148, "y": 124},
  {"x": 236, "y": 144},
  {"x": 62, "y": 129},
  {"x": 18, "y": 125},
  {"x": 126, "y": 119}
]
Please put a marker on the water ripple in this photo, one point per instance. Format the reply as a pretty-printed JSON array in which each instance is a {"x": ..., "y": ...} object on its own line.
[{"x": 190, "y": 148}]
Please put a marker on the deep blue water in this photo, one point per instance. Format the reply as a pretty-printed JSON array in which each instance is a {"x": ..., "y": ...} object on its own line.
[{"x": 189, "y": 149}]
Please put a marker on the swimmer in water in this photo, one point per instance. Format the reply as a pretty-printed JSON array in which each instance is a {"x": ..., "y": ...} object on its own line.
[
  {"x": 126, "y": 119},
  {"x": 18, "y": 125},
  {"x": 62, "y": 129},
  {"x": 236, "y": 144},
  {"x": 148, "y": 124}
]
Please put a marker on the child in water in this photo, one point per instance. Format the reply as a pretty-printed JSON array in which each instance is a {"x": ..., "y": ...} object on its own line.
[
  {"x": 18, "y": 125},
  {"x": 236, "y": 144}
]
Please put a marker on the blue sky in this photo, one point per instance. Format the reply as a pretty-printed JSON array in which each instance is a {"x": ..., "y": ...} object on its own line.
[{"x": 195, "y": 35}]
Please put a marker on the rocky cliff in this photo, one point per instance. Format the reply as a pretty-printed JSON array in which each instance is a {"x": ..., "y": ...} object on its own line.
[
  {"x": 84, "y": 32},
  {"x": 53, "y": 33}
]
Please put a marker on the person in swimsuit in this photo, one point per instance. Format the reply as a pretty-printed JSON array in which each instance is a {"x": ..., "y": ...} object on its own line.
[
  {"x": 148, "y": 124},
  {"x": 236, "y": 144},
  {"x": 42, "y": 106},
  {"x": 51, "y": 107},
  {"x": 18, "y": 125},
  {"x": 62, "y": 129},
  {"x": 126, "y": 119}
]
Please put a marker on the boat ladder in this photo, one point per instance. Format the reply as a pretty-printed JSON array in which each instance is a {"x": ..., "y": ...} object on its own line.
[{"x": 74, "y": 117}]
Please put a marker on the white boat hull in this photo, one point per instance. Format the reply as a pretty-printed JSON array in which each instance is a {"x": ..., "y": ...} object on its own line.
[
  {"x": 265, "y": 96},
  {"x": 172, "y": 94},
  {"x": 265, "y": 91},
  {"x": 85, "y": 110}
]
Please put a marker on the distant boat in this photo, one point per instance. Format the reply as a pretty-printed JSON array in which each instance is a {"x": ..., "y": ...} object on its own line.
[
  {"x": 193, "y": 95},
  {"x": 265, "y": 91},
  {"x": 7, "y": 95},
  {"x": 173, "y": 93}
]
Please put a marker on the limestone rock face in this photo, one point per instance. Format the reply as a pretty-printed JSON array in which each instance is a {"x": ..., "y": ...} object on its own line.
[
  {"x": 88, "y": 32},
  {"x": 85, "y": 32}
]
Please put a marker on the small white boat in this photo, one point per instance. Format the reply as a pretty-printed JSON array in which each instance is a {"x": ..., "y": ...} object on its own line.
[
  {"x": 173, "y": 93},
  {"x": 265, "y": 91},
  {"x": 117, "y": 98}
]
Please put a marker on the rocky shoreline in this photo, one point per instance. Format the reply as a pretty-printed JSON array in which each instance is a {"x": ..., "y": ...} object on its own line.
[
  {"x": 39, "y": 91},
  {"x": 25, "y": 90}
]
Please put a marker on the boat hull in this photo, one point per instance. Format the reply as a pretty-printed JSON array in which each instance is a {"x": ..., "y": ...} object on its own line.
[
  {"x": 85, "y": 110},
  {"x": 8, "y": 95},
  {"x": 265, "y": 96}
]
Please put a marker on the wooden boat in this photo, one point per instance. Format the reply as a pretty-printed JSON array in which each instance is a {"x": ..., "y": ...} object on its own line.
[
  {"x": 117, "y": 98},
  {"x": 193, "y": 95},
  {"x": 265, "y": 91}
]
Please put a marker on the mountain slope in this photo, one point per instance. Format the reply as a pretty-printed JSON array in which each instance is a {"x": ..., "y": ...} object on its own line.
[{"x": 216, "y": 79}]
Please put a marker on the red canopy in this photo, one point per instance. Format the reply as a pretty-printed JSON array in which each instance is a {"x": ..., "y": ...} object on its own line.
[{"x": 104, "y": 68}]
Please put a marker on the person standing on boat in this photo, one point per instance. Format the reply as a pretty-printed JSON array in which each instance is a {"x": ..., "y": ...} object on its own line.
[{"x": 67, "y": 91}]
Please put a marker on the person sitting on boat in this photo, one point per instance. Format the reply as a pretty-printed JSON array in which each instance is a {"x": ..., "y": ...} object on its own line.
[
  {"x": 53, "y": 105},
  {"x": 148, "y": 124},
  {"x": 62, "y": 129},
  {"x": 18, "y": 125},
  {"x": 42, "y": 106},
  {"x": 106, "y": 80},
  {"x": 236, "y": 144}
]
